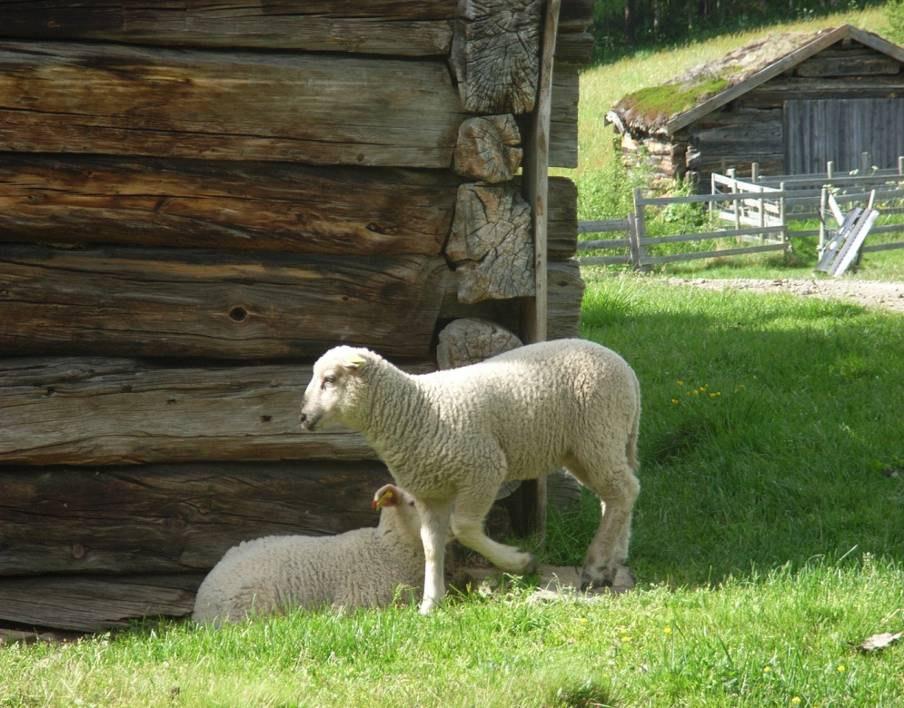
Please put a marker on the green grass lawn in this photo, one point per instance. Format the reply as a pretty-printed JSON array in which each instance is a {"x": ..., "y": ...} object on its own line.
[{"x": 769, "y": 542}]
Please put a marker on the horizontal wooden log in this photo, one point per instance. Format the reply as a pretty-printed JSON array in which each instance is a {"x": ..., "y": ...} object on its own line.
[
  {"x": 562, "y": 219},
  {"x": 321, "y": 109},
  {"x": 95, "y": 604},
  {"x": 96, "y": 411},
  {"x": 774, "y": 93},
  {"x": 563, "y": 142},
  {"x": 850, "y": 62},
  {"x": 566, "y": 290},
  {"x": 411, "y": 28},
  {"x": 496, "y": 54},
  {"x": 135, "y": 302},
  {"x": 224, "y": 205},
  {"x": 171, "y": 518},
  {"x": 491, "y": 243}
]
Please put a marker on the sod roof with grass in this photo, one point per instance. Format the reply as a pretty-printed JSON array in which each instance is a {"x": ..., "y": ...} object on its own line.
[{"x": 675, "y": 104}]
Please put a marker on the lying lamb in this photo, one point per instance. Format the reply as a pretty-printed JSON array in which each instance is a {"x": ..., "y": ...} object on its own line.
[
  {"x": 360, "y": 568},
  {"x": 451, "y": 438}
]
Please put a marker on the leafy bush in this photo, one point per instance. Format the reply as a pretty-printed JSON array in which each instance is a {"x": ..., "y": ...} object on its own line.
[{"x": 894, "y": 10}]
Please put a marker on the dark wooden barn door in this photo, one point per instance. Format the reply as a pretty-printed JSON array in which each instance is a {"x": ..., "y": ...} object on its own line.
[{"x": 839, "y": 130}]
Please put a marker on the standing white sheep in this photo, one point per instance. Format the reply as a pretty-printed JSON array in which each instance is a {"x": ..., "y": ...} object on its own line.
[
  {"x": 360, "y": 568},
  {"x": 451, "y": 438}
]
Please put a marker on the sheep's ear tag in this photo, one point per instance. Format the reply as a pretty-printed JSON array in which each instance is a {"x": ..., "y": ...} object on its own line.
[
  {"x": 386, "y": 498},
  {"x": 355, "y": 362}
]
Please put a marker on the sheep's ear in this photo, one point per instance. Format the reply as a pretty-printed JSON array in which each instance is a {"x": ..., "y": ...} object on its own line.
[
  {"x": 354, "y": 362},
  {"x": 387, "y": 495}
]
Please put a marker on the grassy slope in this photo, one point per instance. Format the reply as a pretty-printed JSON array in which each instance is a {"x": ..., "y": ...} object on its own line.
[{"x": 769, "y": 540}]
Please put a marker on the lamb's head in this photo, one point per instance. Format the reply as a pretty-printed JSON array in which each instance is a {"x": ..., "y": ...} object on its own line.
[
  {"x": 337, "y": 389},
  {"x": 398, "y": 512}
]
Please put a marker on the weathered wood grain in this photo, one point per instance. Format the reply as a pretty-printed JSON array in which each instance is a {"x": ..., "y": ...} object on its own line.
[
  {"x": 322, "y": 109},
  {"x": 838, "y": 61},
  {"x": 224, "y": 205},
  {"x": 97, "y": 411},
  {"x": 563, "y": 139},
  {"x": 95, "y": 604},
  {"x": 566, "y": 290},
  {"x": 775, "y": 92},
  {"x": 495, "y": 54},
  {"x": 181, "y": 303},
  {"x": 471, "y": 340},
  {"x": 562, "y": 219},
  {"x": 410, "y": 28},
  {"x": 489, "y": 148},
  {"x": 491, "y": 243},
  {"x": 171, "y": 518}
]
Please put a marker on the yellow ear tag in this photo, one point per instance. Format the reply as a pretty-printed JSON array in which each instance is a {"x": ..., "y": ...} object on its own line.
[
  {"x": 356, "y": 361},
  {"x": 385, "y": 498}
]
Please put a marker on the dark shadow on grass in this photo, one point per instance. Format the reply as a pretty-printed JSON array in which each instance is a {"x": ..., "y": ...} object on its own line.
[{"x": 766, "y": 437}]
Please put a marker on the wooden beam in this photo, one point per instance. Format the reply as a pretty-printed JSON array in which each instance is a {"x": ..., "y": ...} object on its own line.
[
  {"x": 491, "y": 243},
  {"x": 169, "y": 303},
  {"x": 171, "y": 518},
  {"x": 96, "y": 411},
  {"x": 495, "y": 54},
  {"x": 227, "y": 206},
  {"x": 536, "y": 177},
  {"x": 489, "y": 148},
  {"x": 97, "y": 603},
  {"x": 469, "y": 341},
  {"x": 411, "y": 28},
  {"x": 321, "y": 109}
]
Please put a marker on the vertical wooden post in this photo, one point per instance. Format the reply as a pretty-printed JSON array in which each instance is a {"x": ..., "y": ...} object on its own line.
[
  {"x": 781, "y": 215},
  {"x": 830, "y": 170},
  {"x": 754, "y": 172},
  {"x": 737, "y": 204},
  {"x": 901, "y": 165},
  {"x": 864, "y": 163},
  {"x": 638, "y": 233},
  {"x": 536, "y": 177},
  {"x": 823, "y": 205}
]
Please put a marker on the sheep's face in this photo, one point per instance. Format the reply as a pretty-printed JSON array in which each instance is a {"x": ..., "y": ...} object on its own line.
[
  {"x": 398, "y": 510},
  {"x": 335, "y": 389}
]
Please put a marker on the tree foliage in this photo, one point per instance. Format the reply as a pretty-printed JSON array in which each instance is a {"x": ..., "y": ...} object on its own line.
[{"x": 621, "y": 25}]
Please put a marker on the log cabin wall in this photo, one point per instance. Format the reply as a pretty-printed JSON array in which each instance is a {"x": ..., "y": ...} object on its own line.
[
  {"x": 835, "y": 104},
  {"x": 196, "y": 200}
]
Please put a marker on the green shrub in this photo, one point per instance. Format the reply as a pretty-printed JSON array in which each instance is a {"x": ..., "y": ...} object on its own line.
[{"x": 894, "y": 10}]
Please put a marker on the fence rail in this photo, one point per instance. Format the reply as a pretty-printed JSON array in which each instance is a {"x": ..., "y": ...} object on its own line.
[{"x": 757, "y": 212}]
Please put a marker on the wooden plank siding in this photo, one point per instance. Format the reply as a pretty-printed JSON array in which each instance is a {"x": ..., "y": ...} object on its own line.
[
  {"x": 182, "y": 303},
  {"x": 840, "y": 129},
  {"x": 319, "y": 109},
  {"x": 171, "y": 518}
]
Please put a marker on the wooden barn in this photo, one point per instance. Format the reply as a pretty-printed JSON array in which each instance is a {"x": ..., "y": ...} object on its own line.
[
  {"x": 790, "y": 102},
  {"x": 196, "y": 200}
]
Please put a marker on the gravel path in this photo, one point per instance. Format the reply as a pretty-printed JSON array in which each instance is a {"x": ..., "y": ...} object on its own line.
[{"x": 884, "y": 295}]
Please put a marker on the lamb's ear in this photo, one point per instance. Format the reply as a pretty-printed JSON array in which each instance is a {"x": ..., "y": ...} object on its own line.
[
  {"x": 353, "y": 363},
  {"x": 387, "y": 495}
]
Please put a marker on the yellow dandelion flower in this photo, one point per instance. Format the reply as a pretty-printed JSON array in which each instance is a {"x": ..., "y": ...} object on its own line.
[
  {"x": 841, "y": 668},
  {"x": 625, "y": 638},
  {"x": 666, "y": 630},
  {"x": 680, "y": 382},
  {"x": 795, "y": 700},
  {"x": 675, "y": 401},
  {"x": 714, "y": 394},
  {"x": 767, "y": 669}
]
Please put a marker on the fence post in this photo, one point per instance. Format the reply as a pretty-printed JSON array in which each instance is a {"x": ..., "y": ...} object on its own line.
[
  {"x": 901, "y": 165},
  {"x": 864, "y": 163},
  {"x": 823, "y": 202},
  {"x": 638, "y": 251},
  {"x": 830, "y": 170},
  {"x": 737, "y": 205},
  {"x": 781, "y": 216},
  {"x": 754, "y": 172}
]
